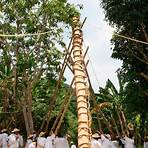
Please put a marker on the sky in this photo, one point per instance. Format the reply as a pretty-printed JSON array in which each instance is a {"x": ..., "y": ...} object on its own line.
[{"x": 97, "y": 34}]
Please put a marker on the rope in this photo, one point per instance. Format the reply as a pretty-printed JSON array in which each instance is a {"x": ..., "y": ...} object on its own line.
[
  {"x": 23, "y": 35},
  {"x": 43, "y": 33},
  {"x": 92, "y": 67},
  {"x": 135, "y": 40}
]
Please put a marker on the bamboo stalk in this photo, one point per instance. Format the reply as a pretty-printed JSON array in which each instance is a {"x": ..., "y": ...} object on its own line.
[
  {"x": 59, "y": 115},
  {"x": 62, "y": 116}
]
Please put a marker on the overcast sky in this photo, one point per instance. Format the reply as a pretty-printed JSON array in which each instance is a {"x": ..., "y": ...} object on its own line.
[{"x": 97, "y": 35}]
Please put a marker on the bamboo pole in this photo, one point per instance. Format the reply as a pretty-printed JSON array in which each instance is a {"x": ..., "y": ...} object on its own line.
[
  {"x": 59, "y": 115},
  {"x": 62, "y": 116},
  {"x": 80, "y": 86}
]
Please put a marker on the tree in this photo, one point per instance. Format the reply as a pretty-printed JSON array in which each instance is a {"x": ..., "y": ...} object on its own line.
[
  {"x": 111, "y": 106},
  {"x": 131, "y": 20},
  {"x": 30, "y": 63}
]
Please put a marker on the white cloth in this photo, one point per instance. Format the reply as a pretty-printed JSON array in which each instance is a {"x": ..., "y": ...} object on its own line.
[
  {"x": 61, "y": 143},
  {"x": 32, "y": 145},
  {"x": 41, "y": 142},
  {"x": 4, "y": 140},
  {"x": 12, "y": 141},
  {"x": 50, "y": 142},
  {"x": 129, "y": 143},
  {"x": 145, "y": 144},
  {"x": 20, "y": 141},
  {"x": 15, "y": 141},
  {"x": 95, "y": 144},
  {"x": 115, "y": 144},
  {"x": 106, "y": 143},
  {"x": 28, "y": 142}
]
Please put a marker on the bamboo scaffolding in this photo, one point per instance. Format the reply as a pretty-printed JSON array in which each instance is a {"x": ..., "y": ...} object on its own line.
[
  {"x": 62, "y": 115},
  {"x": 59, "y": 114}
]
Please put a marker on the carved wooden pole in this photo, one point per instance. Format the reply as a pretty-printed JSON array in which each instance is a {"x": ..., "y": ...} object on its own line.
[{"x": 80, "y": 87}]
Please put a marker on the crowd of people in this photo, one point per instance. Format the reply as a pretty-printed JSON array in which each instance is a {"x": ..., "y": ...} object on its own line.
[
  {"x": 105, "y": 141},
  {"x": 15, "y": 140}
]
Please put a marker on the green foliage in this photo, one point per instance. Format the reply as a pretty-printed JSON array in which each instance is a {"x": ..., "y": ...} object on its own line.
[
  {"x": 131, "y": 20},
  {"x": 33, "y": 60}
]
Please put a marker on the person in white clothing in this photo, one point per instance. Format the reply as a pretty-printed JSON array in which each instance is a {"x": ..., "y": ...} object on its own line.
[
  {"x": 94, "y": 141},
  {"x": 129, "y": 142},
  {"x": 29, "y": 140},
  {"x": 115, "y": 144},
  {"x": 50, "y": 142},
  {"x": 61, "y": 142},
  {"x": 146, "y": 142},
  {"x": 41, "y": 140},
  {"x": 32, "y": 144},
  {"x": 4, "y": 139},
  {"x": 106, "y": 141},
  {"x": 15, "y": 140}
]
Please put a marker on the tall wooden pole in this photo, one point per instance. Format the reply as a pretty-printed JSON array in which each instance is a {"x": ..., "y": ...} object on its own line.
[{"x": 80, "y": 87}]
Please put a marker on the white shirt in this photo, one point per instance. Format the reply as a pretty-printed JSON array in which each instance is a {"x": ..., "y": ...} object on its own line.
[
  {"x": 32, "y": 145},
  {"x": 4, "y": 140},
  {"x": 95, "y": 144},
  {"x": 50, "y": 142},
  {"x": 145, "y": 144},
  {"x": 41, "y": 142},
  {"x": 15, "y": 141},
  {"x": 28, "y": 142},
  {"x": 61, "y": 142},
  {"x": 129, "y": 143},
  {"x": 106, "y": 143},
  {"x": 115, "y": 144},
  {"x": 20, "y": 140}
]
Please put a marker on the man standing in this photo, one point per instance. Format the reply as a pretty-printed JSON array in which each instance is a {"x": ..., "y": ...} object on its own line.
[
  {"x": 15, "y": 140},
  {"x": 94, "y": 141},
  {"x": 4, "y": 139},
  {"x": 50, "y": 141},
  {"x": 41, "y": 140},
  {"x": 106, "y": 141}
]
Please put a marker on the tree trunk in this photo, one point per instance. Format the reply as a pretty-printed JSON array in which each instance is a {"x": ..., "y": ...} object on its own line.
[
  {"x": 29, "y": 101},
  {"x": 26, "y": 119},
  {"x": 27, "y": 108},
  {"x": 143, "y": 116},
  {"x": 124, "y": 121},
  {"x": 6, "y": 98},
  {"x": 116, "y": 127},
  {"x": 120, "y": 121}
]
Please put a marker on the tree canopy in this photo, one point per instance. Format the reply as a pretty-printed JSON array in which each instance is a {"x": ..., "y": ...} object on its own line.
[
  {"x": 131, "y": 20},
  {"x": 30, "y": 62}
]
